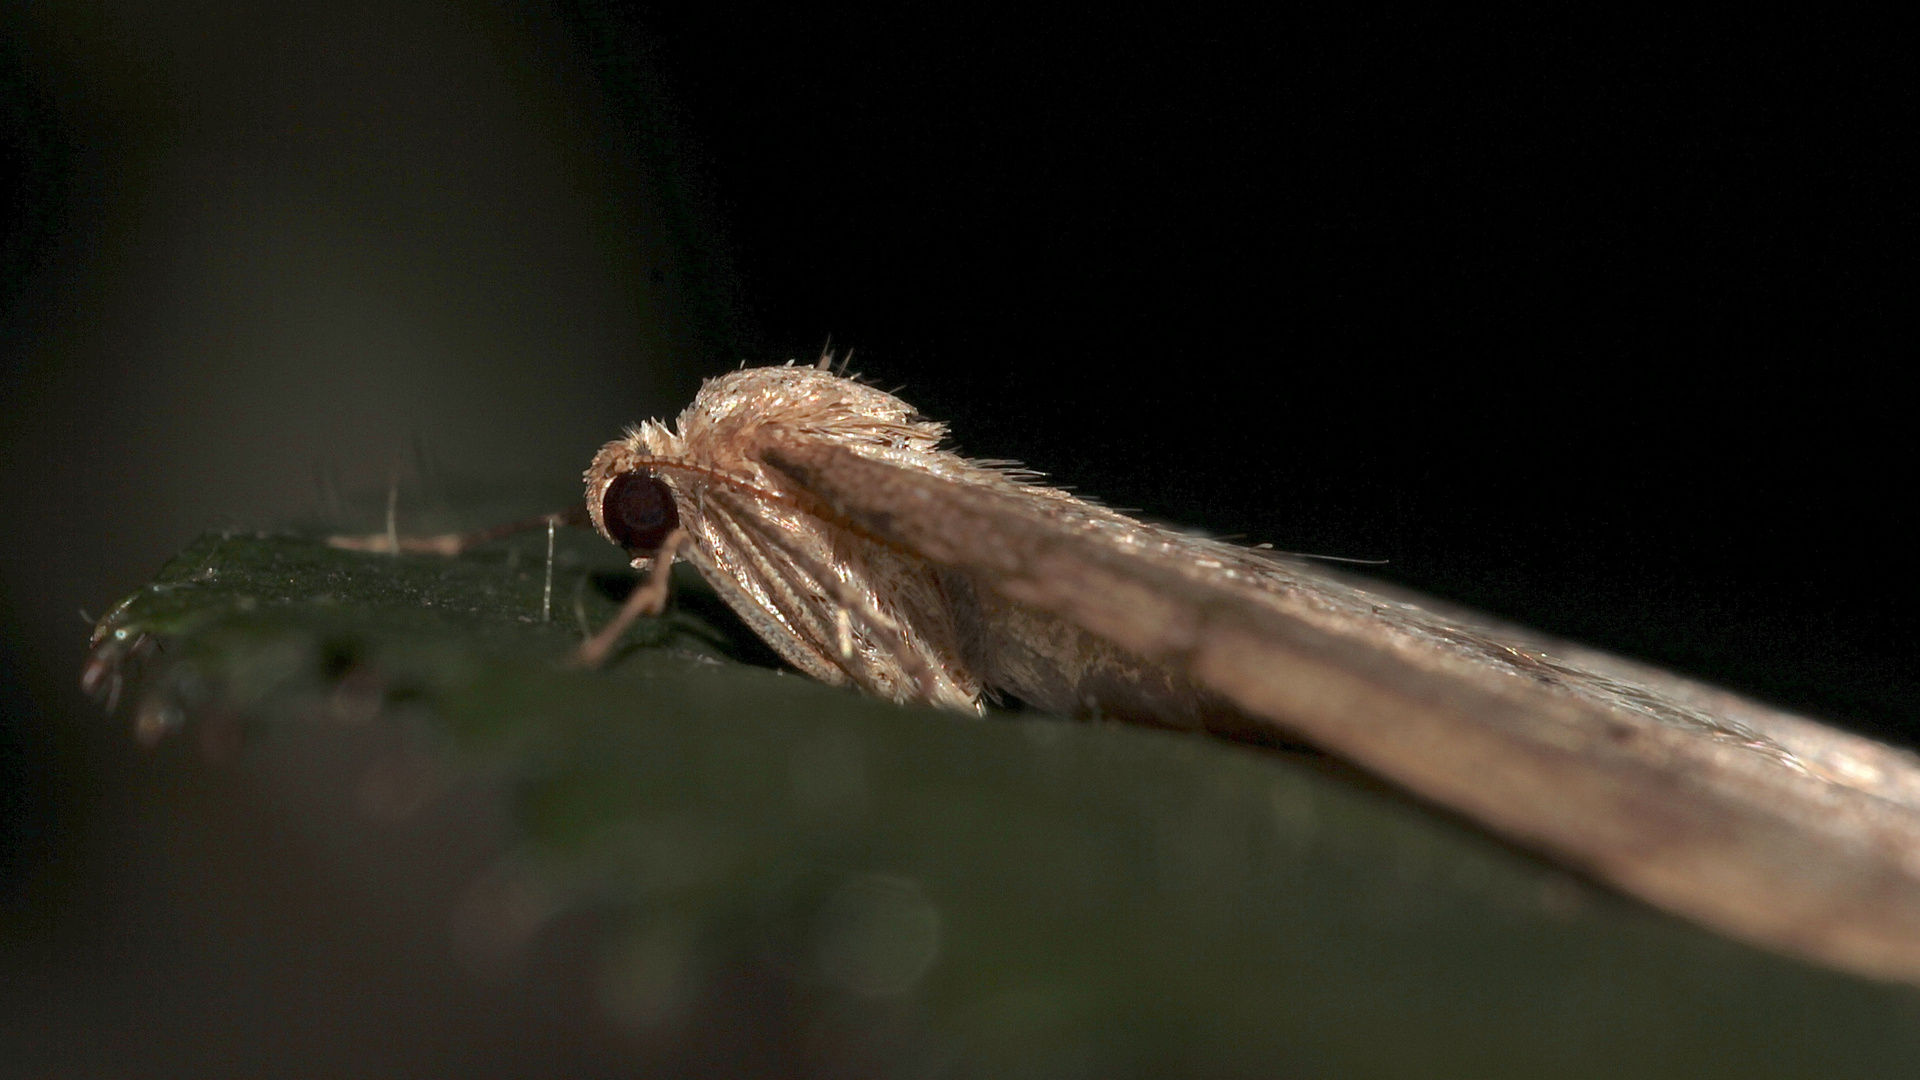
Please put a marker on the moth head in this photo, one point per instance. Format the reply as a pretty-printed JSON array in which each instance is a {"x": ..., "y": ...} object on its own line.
[{"x": 628, "y": 502}]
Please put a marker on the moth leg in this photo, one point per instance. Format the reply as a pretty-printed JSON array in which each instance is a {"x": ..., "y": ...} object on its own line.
[
  {"x": 649, "y": 599},
  {"x": 391, "y": 543}
]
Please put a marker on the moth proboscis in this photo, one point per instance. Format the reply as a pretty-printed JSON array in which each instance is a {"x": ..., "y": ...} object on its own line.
[{"x": 826, "y": 513}]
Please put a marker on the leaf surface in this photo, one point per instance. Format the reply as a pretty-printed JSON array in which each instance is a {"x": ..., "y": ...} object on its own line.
[{"x": 931, "y": 894}]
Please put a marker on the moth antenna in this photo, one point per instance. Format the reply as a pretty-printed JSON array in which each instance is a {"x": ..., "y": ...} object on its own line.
[
  {"x": 721, "y": 478},
  {"x": 451, "y": 544}
]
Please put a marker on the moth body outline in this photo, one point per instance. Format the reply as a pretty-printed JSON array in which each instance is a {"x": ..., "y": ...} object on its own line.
[{"x": 825, "y": 513}]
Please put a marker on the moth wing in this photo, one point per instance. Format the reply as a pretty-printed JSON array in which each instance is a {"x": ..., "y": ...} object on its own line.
[
  {"x": 755, "y": 580},
  {"x": 769, "y": 564},
  {"x": 1764, "y": 825}
]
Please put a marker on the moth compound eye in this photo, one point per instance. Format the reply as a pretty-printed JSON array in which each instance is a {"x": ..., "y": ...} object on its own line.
[{"x": 638, "y": 511}]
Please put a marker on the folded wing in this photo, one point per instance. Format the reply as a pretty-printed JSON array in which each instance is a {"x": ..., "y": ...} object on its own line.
[{"x": 1766, "y": 826}]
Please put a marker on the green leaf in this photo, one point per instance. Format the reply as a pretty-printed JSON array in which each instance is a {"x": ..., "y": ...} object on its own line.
[{"x": 940, "y": 895}]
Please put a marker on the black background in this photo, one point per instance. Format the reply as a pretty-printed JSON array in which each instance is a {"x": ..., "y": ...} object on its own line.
[{"x": 1598, "y": 325}]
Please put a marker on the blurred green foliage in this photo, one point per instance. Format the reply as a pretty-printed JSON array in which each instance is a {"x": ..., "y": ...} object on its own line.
[{"x": 936, "y": 895}]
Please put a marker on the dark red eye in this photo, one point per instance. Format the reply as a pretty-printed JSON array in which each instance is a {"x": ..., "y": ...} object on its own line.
[{"x": 638, "y": 511}]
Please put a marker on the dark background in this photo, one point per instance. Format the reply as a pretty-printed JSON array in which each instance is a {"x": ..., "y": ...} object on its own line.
[{"x": 1600, "y": 326}]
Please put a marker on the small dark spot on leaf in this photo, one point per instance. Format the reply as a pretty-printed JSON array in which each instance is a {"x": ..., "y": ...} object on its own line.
[{"x": 339, "y": 655}]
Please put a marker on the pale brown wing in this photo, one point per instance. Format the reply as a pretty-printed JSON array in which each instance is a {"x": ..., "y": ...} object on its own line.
[
  {"x": 1766, "y": 826},
  {"x": 786, "y": 575},
  {"x": 785, "y": 607}
]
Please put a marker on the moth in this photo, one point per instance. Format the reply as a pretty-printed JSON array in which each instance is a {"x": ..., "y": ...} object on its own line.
[{"x": 828, "y": 515}]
